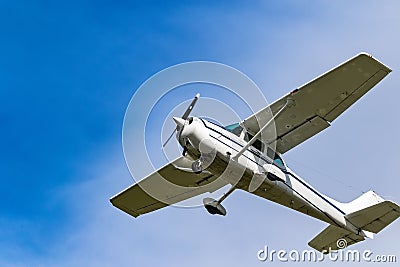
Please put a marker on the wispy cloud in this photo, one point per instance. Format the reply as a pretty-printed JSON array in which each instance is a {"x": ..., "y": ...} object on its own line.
[{"x": 280, "y": 46}]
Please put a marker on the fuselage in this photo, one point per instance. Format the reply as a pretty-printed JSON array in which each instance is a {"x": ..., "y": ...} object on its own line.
[{"x": 259, "y": 170}]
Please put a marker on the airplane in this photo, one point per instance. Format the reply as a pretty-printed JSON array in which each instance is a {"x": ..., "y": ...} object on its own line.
[{"x": 248, "y": 156}]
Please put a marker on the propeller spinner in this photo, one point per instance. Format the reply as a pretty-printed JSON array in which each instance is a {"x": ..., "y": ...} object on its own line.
[{"x": 181, "y": 121}]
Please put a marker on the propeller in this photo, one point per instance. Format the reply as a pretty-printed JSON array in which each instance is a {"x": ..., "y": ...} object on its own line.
[{"x": 184, "y": 117}]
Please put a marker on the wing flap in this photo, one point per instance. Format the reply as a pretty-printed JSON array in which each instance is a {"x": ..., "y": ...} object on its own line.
[
  {"x": 168, "y": 185},
  {"x": 301, "y": 133}
]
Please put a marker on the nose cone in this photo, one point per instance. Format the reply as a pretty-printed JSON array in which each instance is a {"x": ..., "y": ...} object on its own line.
[{"x": 179, "y": 122}]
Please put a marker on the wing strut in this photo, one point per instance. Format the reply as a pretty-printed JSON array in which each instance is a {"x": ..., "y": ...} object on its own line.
[{"x": 255, "y": 137}]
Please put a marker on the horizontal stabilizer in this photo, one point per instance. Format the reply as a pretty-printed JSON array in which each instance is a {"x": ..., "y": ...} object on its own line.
[
  {"x": 334, "y": 238},
  {"x": 370, "y": 214},
  {"x": 376, "y": 217}
]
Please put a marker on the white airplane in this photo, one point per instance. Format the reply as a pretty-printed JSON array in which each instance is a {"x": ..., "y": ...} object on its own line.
[{"x": 247, "y": 156}]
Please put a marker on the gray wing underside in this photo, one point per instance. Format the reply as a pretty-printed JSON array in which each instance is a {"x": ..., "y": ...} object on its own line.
[
  {"x": 169, "y": 185},
  {"x": 317, "y": 103}
]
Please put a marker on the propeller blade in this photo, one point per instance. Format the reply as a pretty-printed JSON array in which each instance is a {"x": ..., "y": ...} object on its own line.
[
  {"x": 169, "y": 138},
  {"x": 190, "y": 108},
  {"x": 184, "y": 117}
]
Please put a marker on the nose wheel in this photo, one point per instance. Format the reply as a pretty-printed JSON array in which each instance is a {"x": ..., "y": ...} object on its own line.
[
  {"x": 197, "y": 166},
  {"x": 203, "y": 162}
]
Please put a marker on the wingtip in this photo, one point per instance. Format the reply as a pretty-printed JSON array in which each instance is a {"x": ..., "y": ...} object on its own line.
[{"x": 366, "y": 54}]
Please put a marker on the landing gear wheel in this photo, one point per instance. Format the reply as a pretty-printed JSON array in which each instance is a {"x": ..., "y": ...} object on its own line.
[
  {"x": 214, "y": 207},
  {"x": 197, "y": 167}
]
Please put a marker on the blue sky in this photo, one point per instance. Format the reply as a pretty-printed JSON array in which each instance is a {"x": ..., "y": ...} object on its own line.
[{"x": 68, "y": 70}]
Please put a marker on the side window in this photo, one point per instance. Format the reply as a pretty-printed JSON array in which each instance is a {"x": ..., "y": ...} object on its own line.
[
  {"x": 275, "y": 157},
  {"x": 278, "y": 160},
  {"x": 257, "y": 144}
]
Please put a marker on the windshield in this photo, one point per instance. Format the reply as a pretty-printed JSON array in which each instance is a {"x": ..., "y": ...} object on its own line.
[{"x": 235, "y": 128}]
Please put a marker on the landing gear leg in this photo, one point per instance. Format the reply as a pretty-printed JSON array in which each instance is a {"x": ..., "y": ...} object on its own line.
[
  {"x": 214, "y": 206},
  {"x": 184, "y": 152},
  {"x": 203, "y": 162}
]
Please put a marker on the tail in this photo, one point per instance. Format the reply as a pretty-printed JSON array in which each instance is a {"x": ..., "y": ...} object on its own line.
[{"x": 370, "y": 213}]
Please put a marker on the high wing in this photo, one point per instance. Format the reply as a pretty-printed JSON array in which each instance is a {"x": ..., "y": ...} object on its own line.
[
  {"x": 317, "y": 103},
  {"x": 170, "y": 184}
]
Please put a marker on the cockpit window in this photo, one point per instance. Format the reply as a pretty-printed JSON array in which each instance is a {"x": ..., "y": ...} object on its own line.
[{"x": 235, "y": 128}]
